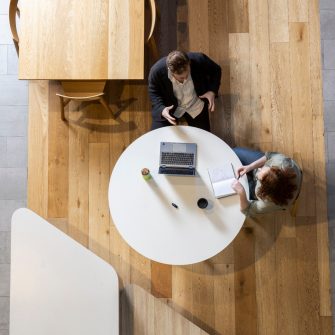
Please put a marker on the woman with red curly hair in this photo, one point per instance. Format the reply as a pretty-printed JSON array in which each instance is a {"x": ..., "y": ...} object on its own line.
[{"x": 274, "y": 181}]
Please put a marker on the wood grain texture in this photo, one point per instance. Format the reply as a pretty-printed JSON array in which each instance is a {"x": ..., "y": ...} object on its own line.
[
  {"x": 144, "y": 314},
  {"x": 319, "y": 159},
  {"x": 260, "y": 71},
  {"x": 278, "y": 21},
  {"x": 78, "y": 178},
  {"x": 98, "y": 209},
  {"x": 58, "y": 172},
  {"x": 161, "y": 280},
  {"x": 301, "y": 105},
  {"x": 239, "y": 55},
  {"x": 274, "y": 277},
  {"x": 37, "y": 188},
  {"x": 238, "y": 16},
  {"x": 100, "y": 39},
  {"x": 298, "y": 10}
]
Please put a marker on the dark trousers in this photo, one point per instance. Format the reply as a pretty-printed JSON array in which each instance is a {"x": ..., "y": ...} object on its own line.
[{"x": 201, "y": 121}]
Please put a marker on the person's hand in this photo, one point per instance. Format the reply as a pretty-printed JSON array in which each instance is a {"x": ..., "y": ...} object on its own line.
[
  {"x": 167, "y": 115},
  {"x": 210, "y": 96},
  {"x": 237, "y": 187},
  {"x": 242, "y": 171}
]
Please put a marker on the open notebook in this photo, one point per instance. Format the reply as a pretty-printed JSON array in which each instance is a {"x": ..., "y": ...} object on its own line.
[{"x": 221, "y": 179}]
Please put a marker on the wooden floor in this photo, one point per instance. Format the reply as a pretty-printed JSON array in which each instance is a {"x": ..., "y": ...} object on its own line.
[{"x": 274, "y": 277}]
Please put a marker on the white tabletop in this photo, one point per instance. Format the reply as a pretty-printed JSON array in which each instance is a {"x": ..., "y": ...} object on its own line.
[
  {"x": 142, "y": 210},
  {"x": 58, "y": 286}
]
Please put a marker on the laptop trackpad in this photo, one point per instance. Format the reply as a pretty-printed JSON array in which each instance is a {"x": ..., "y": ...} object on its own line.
[{"x": 179, "y": 147}]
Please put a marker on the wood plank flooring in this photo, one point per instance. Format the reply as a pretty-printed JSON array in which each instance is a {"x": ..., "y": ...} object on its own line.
[{"x": 274, "y": 278}]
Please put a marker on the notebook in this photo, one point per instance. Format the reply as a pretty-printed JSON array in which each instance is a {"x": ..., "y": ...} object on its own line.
[
  {"x": 221, "y": 179},
  {"x": 177, "y": 158}
]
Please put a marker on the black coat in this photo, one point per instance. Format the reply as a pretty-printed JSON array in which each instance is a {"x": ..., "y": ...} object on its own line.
[{"x": 206, "y": 76}]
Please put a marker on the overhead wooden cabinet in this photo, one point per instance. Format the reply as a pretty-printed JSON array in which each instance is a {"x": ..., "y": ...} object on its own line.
[{"x": 81, "y": 40}]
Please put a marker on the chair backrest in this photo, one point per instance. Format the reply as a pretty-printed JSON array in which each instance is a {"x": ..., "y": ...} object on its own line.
[
  {"x": 13, "y": 13},
  {"x": 79, "y": 88}
]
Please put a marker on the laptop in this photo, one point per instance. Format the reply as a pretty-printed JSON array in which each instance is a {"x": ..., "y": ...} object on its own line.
[{"x": 177, "y": 158}]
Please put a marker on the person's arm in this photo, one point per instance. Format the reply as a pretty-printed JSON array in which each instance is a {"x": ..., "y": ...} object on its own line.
[
  {"x": 155, "y": 94},
  {"x": 239, "y": 189},
  {"x": 254, "y": 165}
]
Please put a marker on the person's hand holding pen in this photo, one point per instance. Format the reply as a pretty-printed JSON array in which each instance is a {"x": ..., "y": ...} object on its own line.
[{"x": 242, "y": 171}]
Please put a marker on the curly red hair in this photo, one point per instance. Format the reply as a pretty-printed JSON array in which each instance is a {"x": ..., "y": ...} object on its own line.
[{"x": 278, "y": 186}]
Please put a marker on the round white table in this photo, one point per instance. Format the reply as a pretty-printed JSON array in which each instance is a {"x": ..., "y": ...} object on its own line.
[{"x": 142, "y": 210}]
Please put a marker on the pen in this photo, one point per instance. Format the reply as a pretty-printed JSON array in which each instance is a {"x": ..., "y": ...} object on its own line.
[
  {"x": 174, "y": 205},
  {"x": 236, "y": 177}
]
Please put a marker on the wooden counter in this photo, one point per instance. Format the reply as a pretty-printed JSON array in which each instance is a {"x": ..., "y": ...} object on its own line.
[{"x": 91, "y": 40}]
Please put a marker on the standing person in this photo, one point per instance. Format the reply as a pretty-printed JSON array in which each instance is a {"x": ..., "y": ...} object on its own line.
[
  {"x": 183, "y": 85},
  {"x": 274, "y": 181}
]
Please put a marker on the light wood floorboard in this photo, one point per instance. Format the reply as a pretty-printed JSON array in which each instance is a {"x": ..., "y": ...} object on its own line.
[{"x": 274, "y": 278}]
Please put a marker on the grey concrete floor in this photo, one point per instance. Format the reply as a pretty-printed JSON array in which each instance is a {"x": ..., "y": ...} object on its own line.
[{"x": 13, "y": 140}]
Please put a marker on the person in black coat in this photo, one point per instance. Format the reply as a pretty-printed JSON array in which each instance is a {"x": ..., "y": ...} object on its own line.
[{"x": 183, "y": 85}]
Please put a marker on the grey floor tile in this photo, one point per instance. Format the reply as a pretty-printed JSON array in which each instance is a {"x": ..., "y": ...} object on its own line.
[
  {"x": 13, "y": 120},
  {"x": 16, "y": 152},
  {"x": 3, "y": 151},
  {"x": 3, "y": 59},
  {"x": 329, "y": 115},
  {"x": 14, "y": 91},
  {"x": 327, "y": 4},
  {"x": 329, "y": 54},
  {"x": 4, "y": 6},
  {"x": 13, "y": 183},
  {"x": 329, "y": 84},
  {"x": 7, "y": 208},
  {"x": 4, "y": 280},
  {"x": 5, "y": 33},
  {"x": 13, "y": 60},
  {"x": 327, "y": 20},
  {"x": 4, "y": 312},
  {"x": 4, "y": 247},
  {"x": 331, "y": 147}
]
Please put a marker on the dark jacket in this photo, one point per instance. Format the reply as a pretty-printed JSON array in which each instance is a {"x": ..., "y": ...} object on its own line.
[{"x": 206, "y": 76}]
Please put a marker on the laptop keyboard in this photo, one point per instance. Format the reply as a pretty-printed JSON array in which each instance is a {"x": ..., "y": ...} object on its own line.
[
  {"x": 177, "y": 158},
  {"x": 184, "y": 172}
]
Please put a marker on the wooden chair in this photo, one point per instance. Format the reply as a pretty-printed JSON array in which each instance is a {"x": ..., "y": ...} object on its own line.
[
  {"x": 295, "y": 204},
  {"x": 14, "y": 12},
  {"x": 151, "y": 41},
  {"x": 83, "y": 91}
]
